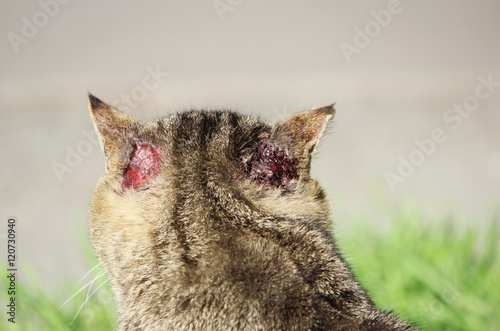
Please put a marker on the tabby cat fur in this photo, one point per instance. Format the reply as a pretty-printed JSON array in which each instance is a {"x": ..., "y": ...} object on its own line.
[{"x": 209, "y": 220}]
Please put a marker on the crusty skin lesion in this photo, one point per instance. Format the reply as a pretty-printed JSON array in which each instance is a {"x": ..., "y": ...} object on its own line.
[
  {"x": 271, "y": 166},
  {"x": 144, "y": 165},
  {"x": 210, "y": 221}
]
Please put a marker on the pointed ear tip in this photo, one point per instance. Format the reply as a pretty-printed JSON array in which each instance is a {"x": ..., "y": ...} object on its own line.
[
  {"x": 327, "y": 110},
  {"x": 94, "y": 102}
]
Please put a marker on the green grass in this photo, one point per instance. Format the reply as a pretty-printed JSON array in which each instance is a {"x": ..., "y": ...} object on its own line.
[
  {"x": 39, "y": 310},
  {"x": 440, "y": 275}
]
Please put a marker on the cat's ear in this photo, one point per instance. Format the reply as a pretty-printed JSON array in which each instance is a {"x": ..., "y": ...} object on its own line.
[
  {"x": 285, "y": 154},
  {"x": 304, "y": 130},
  {"x": 115, "y": 130},
  {"x": 129, "y": 155}
]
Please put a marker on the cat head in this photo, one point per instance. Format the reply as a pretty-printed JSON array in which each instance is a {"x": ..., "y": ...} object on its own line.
[
  {"x": 199, "y": 166},
  {"x": 201, "y": 148}
]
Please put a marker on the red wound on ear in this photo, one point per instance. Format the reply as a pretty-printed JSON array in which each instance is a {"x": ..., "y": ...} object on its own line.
[
  {"x": 272, "y": 166},
  {"x": 144, "y": 165}
]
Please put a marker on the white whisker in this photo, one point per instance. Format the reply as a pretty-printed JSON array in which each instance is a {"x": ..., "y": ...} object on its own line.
[
  {"x": 87, "y": 299},
  {"x": 88, "y": 272},
  {"x": 99, "y": 275},
  {"x": 90, "y": 287}
]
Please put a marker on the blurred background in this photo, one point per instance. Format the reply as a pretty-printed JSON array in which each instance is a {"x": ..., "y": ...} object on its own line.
[{"x": 416, "y": 86}]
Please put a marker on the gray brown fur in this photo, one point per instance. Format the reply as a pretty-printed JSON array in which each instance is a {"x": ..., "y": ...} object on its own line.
[{"x": 202, "y": 246}]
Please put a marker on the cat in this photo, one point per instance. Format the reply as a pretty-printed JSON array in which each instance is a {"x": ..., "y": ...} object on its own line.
[{"x": 209, "y": 220}]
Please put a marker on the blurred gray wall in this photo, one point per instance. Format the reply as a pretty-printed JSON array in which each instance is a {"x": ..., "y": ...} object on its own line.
[{"x": 416, "y": 85}]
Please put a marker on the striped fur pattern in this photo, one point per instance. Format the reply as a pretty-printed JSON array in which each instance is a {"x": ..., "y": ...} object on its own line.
[{"x": 206, "y": 234}]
